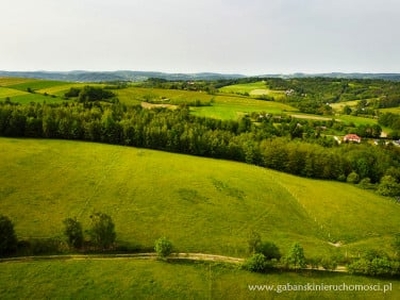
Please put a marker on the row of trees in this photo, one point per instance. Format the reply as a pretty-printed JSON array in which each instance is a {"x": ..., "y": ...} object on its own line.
[
  {"x": 266, "y": 256},
  {"x": 102, "y": 237},
  {"x": 90, "y": 93},
  {"x": 390, "y": 120},
  {"x": 102, "y": 232},
  {"x": 281, "y": 146}
]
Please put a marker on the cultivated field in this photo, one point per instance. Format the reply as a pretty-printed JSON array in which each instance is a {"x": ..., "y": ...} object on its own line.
[{"x": 202, "y": 205}]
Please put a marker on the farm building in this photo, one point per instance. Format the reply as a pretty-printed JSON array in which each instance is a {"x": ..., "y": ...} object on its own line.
[{"x": 352, "y": 138}]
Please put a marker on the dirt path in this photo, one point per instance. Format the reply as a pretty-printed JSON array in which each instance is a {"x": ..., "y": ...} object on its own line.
[
  {"x": 174, "y": 256},
  {"x": 145, "y": 256}
]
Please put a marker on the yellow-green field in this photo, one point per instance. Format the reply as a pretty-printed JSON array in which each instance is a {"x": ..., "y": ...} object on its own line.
[
  {"x": 202, "y": 205},
  {"x": 8, "y": 81},
  {"x": 253, "y": 89},
  {"x": 60, "y": 90},
  {"x": 338, "y": 107},
  {"x": 130, "y": 279}
]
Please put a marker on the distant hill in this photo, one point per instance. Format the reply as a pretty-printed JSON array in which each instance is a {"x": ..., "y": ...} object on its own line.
[
  {"x": 88, "y": 76},
  {"x": 383, "y": 76},
  {"x": 100, "y": 76}
]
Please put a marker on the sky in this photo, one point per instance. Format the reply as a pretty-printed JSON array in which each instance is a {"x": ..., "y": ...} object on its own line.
[{"x": 250, "y": 37}]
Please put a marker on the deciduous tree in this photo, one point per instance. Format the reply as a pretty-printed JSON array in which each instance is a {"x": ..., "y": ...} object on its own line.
[
  {"x": 8, "y": 239},
  {"x": 102, "y": 232}
]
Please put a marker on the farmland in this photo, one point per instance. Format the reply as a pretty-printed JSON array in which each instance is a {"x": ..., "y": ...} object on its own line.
[{"x": 230, "y": 102}]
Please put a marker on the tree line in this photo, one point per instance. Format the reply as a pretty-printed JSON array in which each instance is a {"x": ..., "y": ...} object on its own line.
[
  {"x": 264, "y": 255},
  {"x": 100, "y": 237},
  {"x": 282, "y": 144}
]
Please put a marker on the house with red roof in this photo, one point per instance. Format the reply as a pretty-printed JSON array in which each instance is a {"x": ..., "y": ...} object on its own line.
[{"x": 351, "y": 137}]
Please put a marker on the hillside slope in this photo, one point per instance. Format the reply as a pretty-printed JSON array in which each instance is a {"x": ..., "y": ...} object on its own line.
[{"x": 202, "y": 205}]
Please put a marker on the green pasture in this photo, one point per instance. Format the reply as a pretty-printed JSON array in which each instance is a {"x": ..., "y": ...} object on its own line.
[
  {"x": 394, "y": 110},
  {"x": 338, "y": 106},
  {"x": 356, "y": 120},
  {"x": 201, "y": 205},
  {"x": 37, "y": 84},
  {"x": 230, "y": 107},
  {"x": 7, "y": 92},
  {"x": 135, "y": 279},
  {"x": 22, "y": 97},
  {"x": 60, "y": 90},
  {"x": 136, "y": 95},
  {"x": 28, "y": 98},
  {"x": 7, "y": 81},
  {"x": 254, "y": 89}
]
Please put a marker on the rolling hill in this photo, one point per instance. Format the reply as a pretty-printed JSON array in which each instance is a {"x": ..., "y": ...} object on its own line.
[{"x": 202, "y": 205}]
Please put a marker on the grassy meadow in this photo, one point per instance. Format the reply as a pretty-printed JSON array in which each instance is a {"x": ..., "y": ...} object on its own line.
[
  {"x": 201, "y": 205},
  {"x": 254, "y": 89},
  {"x": 135, "y": 279}
]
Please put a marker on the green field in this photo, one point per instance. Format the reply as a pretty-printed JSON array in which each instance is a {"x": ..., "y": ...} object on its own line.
[
  {"x": 7, "y": 92},
  {"x": 338, "y": 107},
  {"x": 228, "y": 108},
  {"x": 225, "y": 106},
  {"x": 10, "y": 81},
  {"x": 202, "y": 205},
  {"x": 130, "y": 279},
  {"x": 395, "y": 110},
  {"x": 253, "y": 89},
  {"x": 37, "y": 84},
  {"x": 60, "y": 90}
]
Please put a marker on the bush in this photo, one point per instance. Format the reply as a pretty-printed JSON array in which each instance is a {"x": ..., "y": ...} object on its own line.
[
  {"x": 314, "y": 262},
  {"x": 8, "y": 239},
  {"x": 102, "y": 232},
  {"x": 366, "y": 184},
  {"x": 73, "y": 232},
  {"x": 353, "y": 177},
  {"x": 296, "y": 259},
  {"x": 328, "y": 263},
  {"x": 41, "y": 246},
  {"x": 269, "y": 250},
  {"x": 256, "y": 263},
  {"x": 373, "y": 263},
  {"x": 163, "y": 247},
  {"x": 388, "y": 186},
  {"x": 73, "y": 92}
]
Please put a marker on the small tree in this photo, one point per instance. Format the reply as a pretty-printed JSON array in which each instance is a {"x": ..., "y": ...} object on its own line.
[
  {"x": 102, "y": 232},
  {"x": 396, "y": 245},
  {"x": 388, "y": 186},
  {"x": 269, "y": 250},
  {"x": 163, "y": 247},
  {"x": 8, "y": 239},
  {"x": 256, "y": 263},
  {"x": 296, "y": 258},
  {"x": 328, "y": 263},
  {"x": 254, "y": 241},
  {"x": 73, "y": 232},
  {"x": 353, "y": 177}
]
